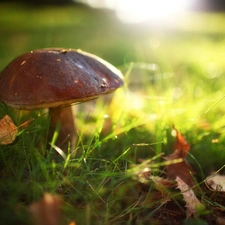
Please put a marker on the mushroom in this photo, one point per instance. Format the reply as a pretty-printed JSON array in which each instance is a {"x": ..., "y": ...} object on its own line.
[{"x": 55, "y": 78}]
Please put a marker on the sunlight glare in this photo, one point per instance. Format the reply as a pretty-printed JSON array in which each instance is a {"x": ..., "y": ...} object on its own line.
[{"x": 137, "y": 11}]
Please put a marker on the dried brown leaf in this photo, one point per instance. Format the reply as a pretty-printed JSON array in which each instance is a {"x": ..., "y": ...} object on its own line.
[
  {"x": 8, "y": 131},
  {"x": 181, "y": 169},
  {"x": 47, "y": 211},
  {"x": 216, "y": 182},
  {"x": 192, "y": 203}
]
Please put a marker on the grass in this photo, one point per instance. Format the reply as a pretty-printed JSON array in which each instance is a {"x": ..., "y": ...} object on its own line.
[{"x": 172, "y": 76}]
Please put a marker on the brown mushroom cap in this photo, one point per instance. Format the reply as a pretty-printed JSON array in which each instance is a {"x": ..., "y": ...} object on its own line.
[{"x": 46, "y": 78}]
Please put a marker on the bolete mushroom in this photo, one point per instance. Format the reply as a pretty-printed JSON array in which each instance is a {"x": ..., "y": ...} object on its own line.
[{"x": 55, "y": 78}]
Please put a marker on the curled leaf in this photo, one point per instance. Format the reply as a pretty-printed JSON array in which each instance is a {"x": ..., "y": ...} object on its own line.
[
  {"x": 181, "y": 143},
  {"x": 8, "y": 130},
  {"x": 192, "y": 203},
  {"x": 216, "y": 182}
]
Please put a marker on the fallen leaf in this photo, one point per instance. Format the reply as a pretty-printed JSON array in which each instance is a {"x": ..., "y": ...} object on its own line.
[
  {"x": 180, "y": 168},
  {"x": 181, "y": 143},
  {"x": 216, "y": 182},
  {"x": 8, "y": 131},
  {"x": 192, "y": 203},
  {"x": 47, "y": 211}
]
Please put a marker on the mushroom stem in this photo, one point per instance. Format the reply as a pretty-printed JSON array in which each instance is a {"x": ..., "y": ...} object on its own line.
[{"x": 67, "y": 133}]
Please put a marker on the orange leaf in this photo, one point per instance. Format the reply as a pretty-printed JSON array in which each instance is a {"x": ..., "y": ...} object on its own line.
[
  {"x": 180, "y": 169},
  {"x": 8, "y": 130},
  {"x": 181, "y": 143}
]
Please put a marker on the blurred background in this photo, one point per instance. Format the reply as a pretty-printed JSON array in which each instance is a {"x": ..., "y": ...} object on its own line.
[
  {"x": 174, "y": 52},
  {"x": 118, "y": 30},
  {"x": 170, "y": 44}
]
